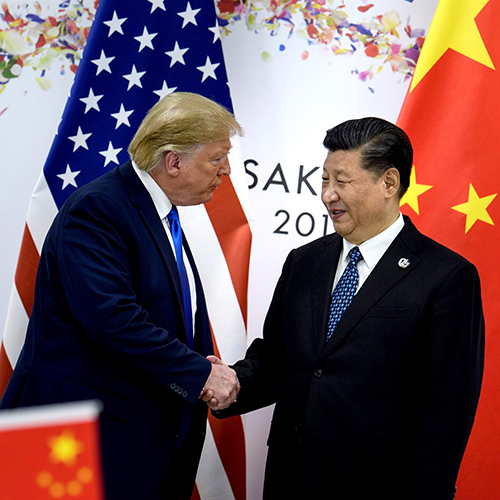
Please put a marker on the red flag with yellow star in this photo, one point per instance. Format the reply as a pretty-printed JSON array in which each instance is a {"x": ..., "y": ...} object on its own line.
[
  {"x": 452, "y": 116},
  {"x": 51, "y": 452}
]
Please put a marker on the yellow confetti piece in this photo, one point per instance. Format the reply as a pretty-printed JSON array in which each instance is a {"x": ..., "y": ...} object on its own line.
[
  {"x": 44, "y": 82},
  {"x": 266, "y": 57}
]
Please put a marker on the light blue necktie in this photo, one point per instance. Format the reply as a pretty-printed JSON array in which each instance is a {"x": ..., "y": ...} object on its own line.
[
  {"x": 175, "y": 229},
  {"x": 344, "y": 291}
]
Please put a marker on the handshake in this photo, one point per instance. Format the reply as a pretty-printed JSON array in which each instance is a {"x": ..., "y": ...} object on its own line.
[{"x": 222, "y": 386}]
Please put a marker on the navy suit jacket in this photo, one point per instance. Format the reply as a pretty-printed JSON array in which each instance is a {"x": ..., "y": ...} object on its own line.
[
  {"x": 385, "y": 408},
  {"x": 108, "y": 324}
]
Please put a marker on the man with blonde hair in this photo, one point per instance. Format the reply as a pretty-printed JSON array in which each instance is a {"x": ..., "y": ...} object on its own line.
[{"x": 119, "y": 312}]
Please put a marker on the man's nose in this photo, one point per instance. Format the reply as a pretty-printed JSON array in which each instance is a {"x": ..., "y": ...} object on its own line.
[
  {"x": 226, "y": 168},
  {"x": 329, "y": 194}
]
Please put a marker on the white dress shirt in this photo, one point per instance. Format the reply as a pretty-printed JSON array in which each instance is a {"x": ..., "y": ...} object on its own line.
[
  {"x": 372, "y": 251},
  {"x": 163, "y": 206}
]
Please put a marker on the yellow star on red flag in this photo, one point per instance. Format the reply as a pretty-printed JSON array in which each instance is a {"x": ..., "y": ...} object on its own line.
[
  {"x": 413, "y": 192},
  {"x": 453, "y": 27},
  {"x": 65, "y": 448},
  {"x": 475, "y": 208}
]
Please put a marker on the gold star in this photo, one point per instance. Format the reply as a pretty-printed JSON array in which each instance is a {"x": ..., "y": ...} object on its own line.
[
  {"x": 475, "y": 208},
  {"x": 65, "y": 448},
  {"x": 453, "y": 27},
  {"x": 413, "y": 192}
]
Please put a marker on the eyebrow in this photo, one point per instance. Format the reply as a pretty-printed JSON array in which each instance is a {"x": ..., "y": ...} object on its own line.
[{"x": 334, "y": 171}]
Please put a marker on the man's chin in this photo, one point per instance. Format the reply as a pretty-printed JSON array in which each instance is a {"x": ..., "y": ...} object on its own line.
[{"x": 208, "y": 198}]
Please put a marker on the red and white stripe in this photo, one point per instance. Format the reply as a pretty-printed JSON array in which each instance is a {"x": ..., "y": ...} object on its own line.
[
  {"x": 41, "y": 212},
  {"x": 220, "y": 237}
]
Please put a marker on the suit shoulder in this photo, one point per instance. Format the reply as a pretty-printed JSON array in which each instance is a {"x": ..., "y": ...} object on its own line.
[
  {"x": 434, "y": 251},
  {"x": 318, "y": 245},
  {"x": 109, "y": 189},
  {"x": 443, "y": 255}
]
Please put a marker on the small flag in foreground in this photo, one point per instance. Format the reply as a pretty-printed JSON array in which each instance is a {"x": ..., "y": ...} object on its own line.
[{"x": 50, "y": 452}]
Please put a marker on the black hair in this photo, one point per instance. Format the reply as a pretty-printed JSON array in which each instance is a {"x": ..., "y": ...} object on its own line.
[{"x": 382, "y": 144}]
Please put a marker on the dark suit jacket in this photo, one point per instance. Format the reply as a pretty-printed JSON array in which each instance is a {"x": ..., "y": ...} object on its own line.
[
  {"x": 108, "y": 323},
  {"x": 384, "y": 409}
]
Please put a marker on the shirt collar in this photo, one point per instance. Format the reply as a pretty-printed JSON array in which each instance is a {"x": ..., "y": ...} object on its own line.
[
  {"x": 373, "y": 249},
  {"x": 161, "y": 202}
]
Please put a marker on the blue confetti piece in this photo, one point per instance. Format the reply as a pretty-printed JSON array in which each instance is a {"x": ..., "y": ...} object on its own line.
[
  {"x": 35, "y": 18},
  {"x": 361, "y": 29}
]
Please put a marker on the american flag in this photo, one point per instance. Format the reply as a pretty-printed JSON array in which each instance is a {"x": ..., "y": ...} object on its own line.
[{"x": 137, "y": 52}]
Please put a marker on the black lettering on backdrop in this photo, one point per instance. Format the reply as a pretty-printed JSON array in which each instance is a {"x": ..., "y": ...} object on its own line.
[
  {"x": 282, "y": 182},
  {"x": 311, "y": 224},
  {"x": 305, "y": 223},
  {"x": 279, "y": 230},
  {"x": 303, "y": 179},
  {"x": 253, "y": 175},
  {"x": 278, "y": 177}
]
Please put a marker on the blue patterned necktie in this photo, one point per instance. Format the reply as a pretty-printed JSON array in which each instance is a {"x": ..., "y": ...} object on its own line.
[
  {"x": 175, "y": 229},
  {"x": 344, "y": 291}
]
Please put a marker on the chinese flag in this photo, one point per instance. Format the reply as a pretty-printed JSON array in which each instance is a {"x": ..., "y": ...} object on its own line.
[
  {"x": 51, "y": 452},
  {"x": 452, "y": 115}
]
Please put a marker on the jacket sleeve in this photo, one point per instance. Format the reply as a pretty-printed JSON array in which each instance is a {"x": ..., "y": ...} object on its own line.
[
  {"x": 259, "y": 372},
  {"x": 96, "y": 257},
  {"x": 454, "y": 359}
]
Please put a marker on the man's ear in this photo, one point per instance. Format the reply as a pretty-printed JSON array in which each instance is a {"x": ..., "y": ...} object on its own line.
[
  {"x": 172, "y": 162},
  {"x": 391, "y": 182}
]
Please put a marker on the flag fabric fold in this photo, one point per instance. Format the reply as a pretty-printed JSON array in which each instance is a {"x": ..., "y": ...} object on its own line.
[
  {"x": 137, "y": 52},
  {"x": 451, "y": 114}
]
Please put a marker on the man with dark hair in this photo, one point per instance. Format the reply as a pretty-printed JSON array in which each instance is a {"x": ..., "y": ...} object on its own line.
[{"x": 373, "y": 344}]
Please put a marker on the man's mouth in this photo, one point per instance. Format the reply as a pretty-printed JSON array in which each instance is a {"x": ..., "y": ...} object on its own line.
[{"x": 336, "y": 214}]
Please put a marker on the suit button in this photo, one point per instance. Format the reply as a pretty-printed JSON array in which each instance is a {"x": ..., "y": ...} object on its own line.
[{"x": 318, "y": 373}]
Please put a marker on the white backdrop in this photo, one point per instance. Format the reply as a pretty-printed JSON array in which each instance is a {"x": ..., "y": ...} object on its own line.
[{"x": 285, "y": 104}]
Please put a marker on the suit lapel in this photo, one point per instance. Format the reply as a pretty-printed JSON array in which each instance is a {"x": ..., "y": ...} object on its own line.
[
  {"x": 389, "y": 271},
  {"x": 321, "y": 286},
  {"x": 202, "y": 338},
  {"x": 141, "y": 199}
]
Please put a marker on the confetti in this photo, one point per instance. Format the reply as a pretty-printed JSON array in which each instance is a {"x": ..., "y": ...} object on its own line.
[
  {"x": 321, "y": 24},
  {"x": 30, "y": 38},
  {"x": 266, "y": 57}
]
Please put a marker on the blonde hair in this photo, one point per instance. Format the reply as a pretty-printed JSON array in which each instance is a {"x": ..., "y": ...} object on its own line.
[{"x": 180, "y": 122}]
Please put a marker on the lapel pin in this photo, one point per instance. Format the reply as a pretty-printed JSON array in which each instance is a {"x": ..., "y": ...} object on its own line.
[{"x": 403, "y": 263}]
